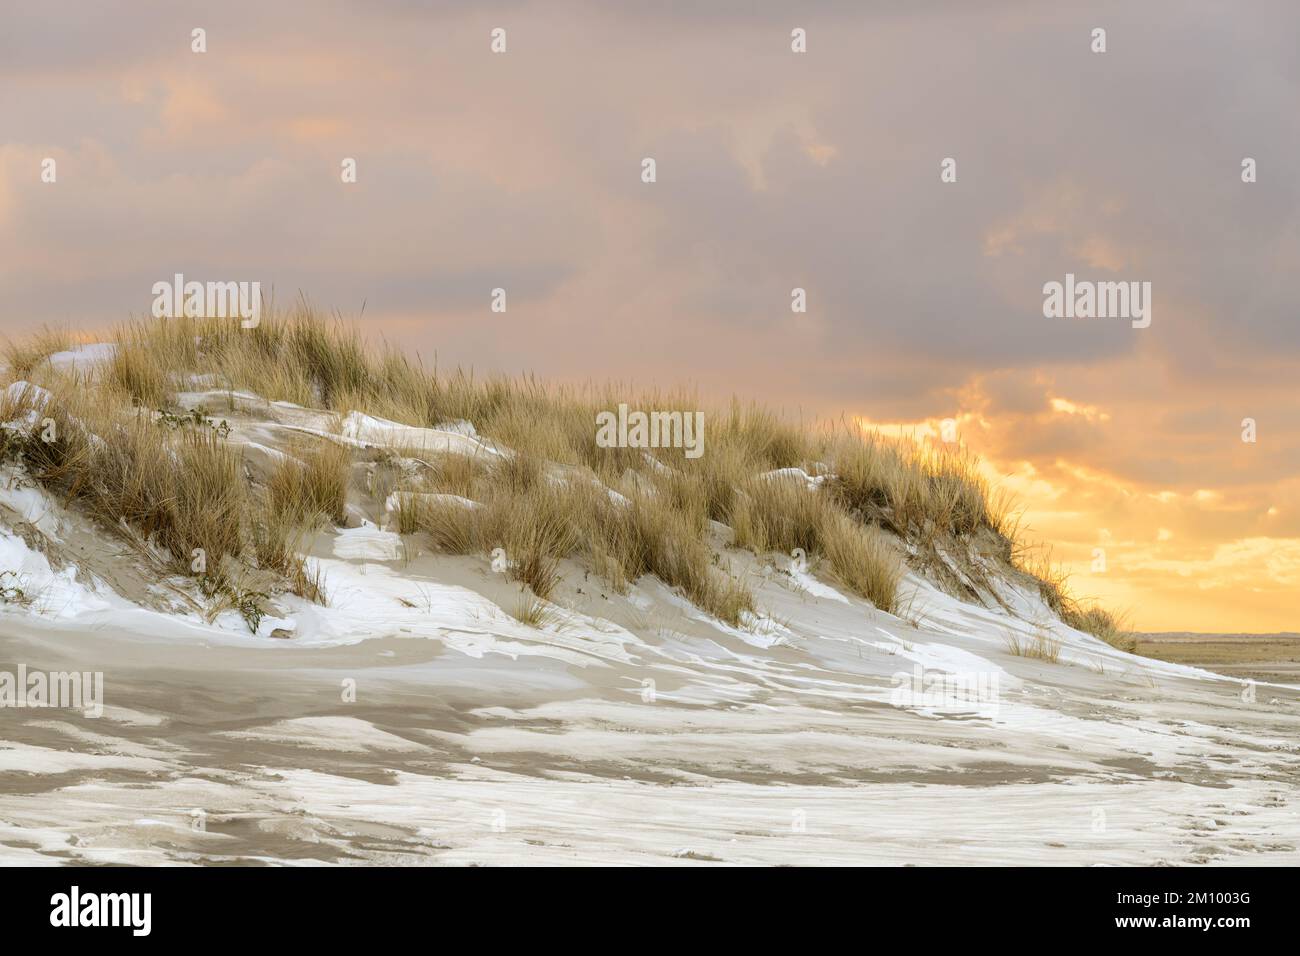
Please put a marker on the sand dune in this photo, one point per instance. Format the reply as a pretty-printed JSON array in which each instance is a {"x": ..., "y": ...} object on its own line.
[{"x": 414, "y": 720}]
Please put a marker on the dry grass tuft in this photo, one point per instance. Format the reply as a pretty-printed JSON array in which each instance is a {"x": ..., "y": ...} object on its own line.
[
  {"x": 312, "y": 480},
  {"x": 181, "y": 489},
  {"x": 1101, "y": 624},
  {"x": 536, "y": 525},
  {"x": 782, "y": 514},
  {"x": 22, "y": 357},
  {"x": 278, "y": 540},
  {"x": 533, "y": 611},
  {"x": 185, "y": 490},
  {"x": 1041, "y": 646},
  {"x": 913, "y": 490},
  {"x": 1053, "y": 586},
  {"x": 452, "y": 526},
  {"x": 864, "y": 560}
]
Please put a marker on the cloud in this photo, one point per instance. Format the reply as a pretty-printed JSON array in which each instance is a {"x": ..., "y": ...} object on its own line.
[{"x": 776, "y": 170}]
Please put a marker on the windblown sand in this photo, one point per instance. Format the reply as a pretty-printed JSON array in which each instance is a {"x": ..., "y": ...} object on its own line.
[
  {"x": 491, "y": 745},
  {"x": 414, "y": 721}
]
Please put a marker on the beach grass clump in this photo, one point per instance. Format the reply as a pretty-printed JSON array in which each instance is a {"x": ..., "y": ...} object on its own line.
[
  {"x": 180, "y": 490},
  {"x": 784, "y": 514},
  {"x": 533, "y": 611},
  {"x": 913, "y": 490},
  {"x": 1101, "y": 624},
  {"x": 1052, "y": 583},
  {"x": 22, "y": 356},
  {"x": 864, "y": 560},
  {"x": 184, "y": 489},
  {"x": 312, "y": 479},
  {"x": 1040, "y": 646}
]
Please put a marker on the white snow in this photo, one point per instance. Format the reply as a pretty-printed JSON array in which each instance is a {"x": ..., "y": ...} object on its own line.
[
  {"x": 31, "y": 582},
  {"x": 84, "y": 356},
  {"x": 369, "y": 430},
  {"x": 796, "y": 474},
  {"x": 783, "y": 739}
]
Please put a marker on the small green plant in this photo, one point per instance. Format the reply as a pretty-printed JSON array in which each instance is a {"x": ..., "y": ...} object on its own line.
[
  {"x": 249, "y": 605},
  {"x": 11, "y": 444},
  {"x": 225, "y": 594},
  {"x": 11, "y": 591},
  {"x": 193, "y": 418}
]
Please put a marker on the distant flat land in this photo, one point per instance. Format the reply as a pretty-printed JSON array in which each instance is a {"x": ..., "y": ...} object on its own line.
[{"x": 1261, "y": 657}]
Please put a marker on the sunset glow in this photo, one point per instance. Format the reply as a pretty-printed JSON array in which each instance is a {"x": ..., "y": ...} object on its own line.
[{"x": 924, "y": 300}]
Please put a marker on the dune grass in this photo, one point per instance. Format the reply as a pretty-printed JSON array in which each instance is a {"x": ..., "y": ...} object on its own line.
[
  {"x": 312, "y": 480},
  {"x": 551, "y": 495},
  {"x": 533, "y": 611},
  {"x": 1035, "y": 562},
  {"x": 538, "y": 520},
  {"x": 912, "y": 490},
  {"x": 783, "y": 513},
  {"x": 1039, "y": 646},
  {"x": 1100, "y": 623},
  {"x": 22, "y": 356},
  {"x": 865, "y": 561},
  {"x": 184, "y": 491},
  {"x": 179, "y": 489}
]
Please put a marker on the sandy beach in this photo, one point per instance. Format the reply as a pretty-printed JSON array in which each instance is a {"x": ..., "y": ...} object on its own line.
[{"x": 644, "y": 734}]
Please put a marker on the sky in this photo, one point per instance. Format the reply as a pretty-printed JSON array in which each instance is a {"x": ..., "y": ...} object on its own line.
[{"x": 774, "y": 170}]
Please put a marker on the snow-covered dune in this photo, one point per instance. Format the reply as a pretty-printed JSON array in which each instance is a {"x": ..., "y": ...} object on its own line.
[{"x": 414, "y": 719}]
